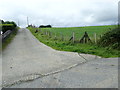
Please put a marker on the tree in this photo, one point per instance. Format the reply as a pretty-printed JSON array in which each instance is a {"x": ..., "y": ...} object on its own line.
[{"x": 45, "y": 26}]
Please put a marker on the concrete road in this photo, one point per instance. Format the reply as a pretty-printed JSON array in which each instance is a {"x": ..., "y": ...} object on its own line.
[
  {"x": 26, "y": 59},
  {"x": 101, "y": 73}
]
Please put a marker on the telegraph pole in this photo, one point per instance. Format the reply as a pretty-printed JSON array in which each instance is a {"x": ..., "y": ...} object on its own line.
[
  {"x": 27, "y": 21},
  {"x": 119, "y": 14},
  {"x": 18, "y": 23}
]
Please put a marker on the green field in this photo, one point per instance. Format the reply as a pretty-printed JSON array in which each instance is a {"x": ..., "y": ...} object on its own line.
[
  {"x": 79, "y": 31},
  {"x": 67, "y": 45},
  {"x": 6, "y": 24}
]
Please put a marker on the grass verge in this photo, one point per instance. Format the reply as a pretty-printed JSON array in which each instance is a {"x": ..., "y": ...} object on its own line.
[{"x": 77, "y": 47}]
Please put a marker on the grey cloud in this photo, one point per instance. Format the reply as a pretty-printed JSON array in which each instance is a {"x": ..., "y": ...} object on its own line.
[{"x": 62, "y": 13}]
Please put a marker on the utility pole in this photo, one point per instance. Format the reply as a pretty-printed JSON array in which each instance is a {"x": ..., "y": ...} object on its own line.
[
  {"x": 27, "y": 21},
  {"x": 18, "y": 22}
]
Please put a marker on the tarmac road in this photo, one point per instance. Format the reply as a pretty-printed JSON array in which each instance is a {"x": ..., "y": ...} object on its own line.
[{"x": 26, "y": 62}]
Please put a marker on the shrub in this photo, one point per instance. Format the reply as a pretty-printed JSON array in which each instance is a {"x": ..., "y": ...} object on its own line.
[
  {"x": 111, "y": 39},
  {"x": 8, "y": 26}
]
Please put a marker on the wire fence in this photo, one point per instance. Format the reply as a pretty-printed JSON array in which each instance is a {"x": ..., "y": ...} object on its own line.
[
  {"x": 85, "y": 38},
  {"x": 6, "y": 35}
]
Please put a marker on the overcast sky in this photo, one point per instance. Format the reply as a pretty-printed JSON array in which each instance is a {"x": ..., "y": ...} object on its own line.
[{"x": 60, "y": 13}]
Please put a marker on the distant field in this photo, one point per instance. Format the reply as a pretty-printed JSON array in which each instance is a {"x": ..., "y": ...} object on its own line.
[
  {"x": 79, "y": 31},
  {"x": 66, "y": 45}
]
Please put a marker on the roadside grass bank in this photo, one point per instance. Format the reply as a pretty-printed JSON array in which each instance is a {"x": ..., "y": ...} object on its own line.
[
  {"x": 66, "y": 45},
  {"x": 9, "y": 39}
]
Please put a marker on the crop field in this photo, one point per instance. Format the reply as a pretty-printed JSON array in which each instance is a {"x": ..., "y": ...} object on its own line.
[{"x": 79, "y": 31}]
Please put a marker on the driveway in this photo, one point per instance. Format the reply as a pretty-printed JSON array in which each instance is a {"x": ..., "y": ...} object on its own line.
[{"x": 26, "y": 62}]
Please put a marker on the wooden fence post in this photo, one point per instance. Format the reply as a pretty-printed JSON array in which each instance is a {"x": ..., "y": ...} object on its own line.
[
  {"x": 85, "y": 38},
  {"x": 39, "y": 30},
  {"x": 44, "y": 32},
  {"x": 95, "y": 37},
  {"x": 62, "y": 38},
  {"x": 55, "y": 36},
  {"x": 73, "y": 35},
  {"x": 50, "y": 34}
]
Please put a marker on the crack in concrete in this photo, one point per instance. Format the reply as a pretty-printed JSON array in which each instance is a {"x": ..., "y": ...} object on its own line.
[
  {"x": 82, "y": 57},
  {"x": 33, "y": 77},
  {"x": 37, "y": 76}
]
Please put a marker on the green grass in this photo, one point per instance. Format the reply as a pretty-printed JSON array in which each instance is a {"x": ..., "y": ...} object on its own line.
[
  {"x": 79, "y": 31},
  {"x": 9, "y": 39},
  {"x": 6, "y": 24},
  {"x": 76, "y": 47}
]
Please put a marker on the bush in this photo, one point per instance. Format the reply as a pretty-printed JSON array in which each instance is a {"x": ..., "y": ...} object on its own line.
[
  {"x": 111, "y": 39},
  {"x": 8, "y": 26}
]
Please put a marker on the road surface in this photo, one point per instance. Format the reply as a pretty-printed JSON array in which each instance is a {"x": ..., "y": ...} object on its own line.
[{"x": 28, "y": 63}]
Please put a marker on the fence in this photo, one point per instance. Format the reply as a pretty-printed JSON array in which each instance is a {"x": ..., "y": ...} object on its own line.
[
  {"x": 6, "y": 35},
  {"x": 85, "y": 38}
]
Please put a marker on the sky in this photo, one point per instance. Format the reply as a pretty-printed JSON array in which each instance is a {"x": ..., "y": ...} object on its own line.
[{"x": 60, "y": 13}]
